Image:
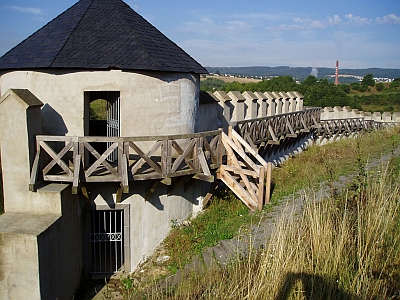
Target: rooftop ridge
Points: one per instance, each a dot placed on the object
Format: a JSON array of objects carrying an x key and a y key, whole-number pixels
[{"x": 100, "y": 34}]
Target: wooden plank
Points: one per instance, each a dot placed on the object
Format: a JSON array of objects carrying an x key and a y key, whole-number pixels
[
  {"x": 211, "y": 148},
  {"x": 249, "y": 140},
  {"x": 56, "y": 138},
  {"x": 203, "y": 162},
  {"x": 182, "y": 155},
  {"x": 238, "y": 190},
  {"x": 58, "y": 178},
  {"x": 244, "y": 178},
  {"x": 261, "y": 188},
  {"x": 34, "y": 173},
  {"x": 272, "y": 133},
  {"x": 164, "y": 157},
  {"x": 240, "y": 170},
  {"x": 77, "y": 170},
  {"x": 124, "y": 174},
  {"x": 145, "y": 158},
  {"x": 306, "y": 129},
  {"x": 101, "y": 160},
  {"x": 203, "y": 177},
  {"x": 249, "y": 148},
  {"x": 57, "y": 158},
  {"x": 230, "y": 145},
  {"x": 166, "y": 181},
  {"x": 268, "y": 183}
]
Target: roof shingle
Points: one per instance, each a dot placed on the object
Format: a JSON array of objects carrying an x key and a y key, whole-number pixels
[{"x": 99, "y": 34}]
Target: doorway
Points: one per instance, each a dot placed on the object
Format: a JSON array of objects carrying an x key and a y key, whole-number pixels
[{"x": 102, "y": 118}]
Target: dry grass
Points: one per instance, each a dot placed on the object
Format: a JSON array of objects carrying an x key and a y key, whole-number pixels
[
  {"x": 340, "y": 248},
  {"x": 345, "y": 247}
]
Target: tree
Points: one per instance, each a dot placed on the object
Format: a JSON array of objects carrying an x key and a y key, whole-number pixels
[
  {"x": 380, "y": 86},
  {"x": 368, "y": 80}
]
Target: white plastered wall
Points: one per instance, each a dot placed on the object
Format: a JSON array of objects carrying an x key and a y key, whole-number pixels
[{"x": 152, "y": 103}]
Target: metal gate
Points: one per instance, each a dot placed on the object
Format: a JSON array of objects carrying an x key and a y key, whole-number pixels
[
  {"x": 113, "y": 120},
  {"x": 107, "y": 241}
]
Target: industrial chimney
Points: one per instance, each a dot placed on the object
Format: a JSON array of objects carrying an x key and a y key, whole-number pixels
[{"x": 337, "y": 73}]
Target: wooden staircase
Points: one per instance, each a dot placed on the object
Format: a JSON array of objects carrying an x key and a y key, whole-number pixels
[{"x": 246, "y": 173}]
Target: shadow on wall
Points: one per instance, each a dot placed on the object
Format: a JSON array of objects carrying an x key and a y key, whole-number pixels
[
  {"x": 311, "y": 286},
  {"x": 52, "y": 122}
]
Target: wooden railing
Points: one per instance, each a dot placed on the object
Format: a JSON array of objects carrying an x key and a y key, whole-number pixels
[
  {"x": 272, "y": 129},
  {"x": 78, "y": 159},
  {"x": 246, "y": 173}
]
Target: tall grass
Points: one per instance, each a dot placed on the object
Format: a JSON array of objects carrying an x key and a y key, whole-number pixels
[{"x": 345, "y": 247}]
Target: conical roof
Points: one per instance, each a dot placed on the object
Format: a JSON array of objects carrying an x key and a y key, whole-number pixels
[{"x": 99, "y": 34}]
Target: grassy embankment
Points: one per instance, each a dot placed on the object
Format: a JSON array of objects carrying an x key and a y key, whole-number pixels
[{"x": 346, "y": 247}]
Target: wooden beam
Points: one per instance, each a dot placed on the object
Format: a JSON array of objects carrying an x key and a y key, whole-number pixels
[
  {"x": 142, "y": 161},
  {"x": 124, "y": 173},
  {"x": 151, "y": 163},
  {"x": 249, "y": 148},
  {"x": 203, "y": 177},
  {"x": 34, "y": 173},
  {"x": 261, "y": 188},
  {"x": 57, "y": 158},
  {"x": 203, "y": 162},
  {"x": 230, "y": 145},
  {"x": 182, "y": 155},
  {"x": 101, "y": 159},
  {"x": 238, "y": 190},
  {"x": 77, "y": 171}
]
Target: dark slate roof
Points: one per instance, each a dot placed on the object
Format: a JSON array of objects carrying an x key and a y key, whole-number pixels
[{"x": 99, "y": 34}]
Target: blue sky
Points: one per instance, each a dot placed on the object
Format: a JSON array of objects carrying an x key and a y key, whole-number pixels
[{"x": 359, "y": 33}]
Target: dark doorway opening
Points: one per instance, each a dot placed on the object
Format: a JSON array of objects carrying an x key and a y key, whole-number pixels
[{"x": 106, "y": 241}]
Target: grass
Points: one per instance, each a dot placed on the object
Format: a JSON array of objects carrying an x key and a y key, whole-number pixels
[
  {"x": 319, "y": 164},
  {"x": 225, "y": 215},
  {"x": 346, "y": 247}
]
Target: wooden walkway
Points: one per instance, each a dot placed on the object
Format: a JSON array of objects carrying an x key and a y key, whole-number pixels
[{"x": 232, "y": 157}]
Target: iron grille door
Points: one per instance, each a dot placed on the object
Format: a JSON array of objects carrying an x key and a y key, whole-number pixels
[
  {"x": 113, "y": 120},
  {"x": 107, "y": 241}
]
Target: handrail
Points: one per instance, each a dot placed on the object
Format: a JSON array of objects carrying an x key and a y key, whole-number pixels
[{"x": 170, "y": 156}]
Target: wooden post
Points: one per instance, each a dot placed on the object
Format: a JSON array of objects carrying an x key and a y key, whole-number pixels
[
  {"x": 261, "y": 188},
  {"x": 268, "y": 183}
]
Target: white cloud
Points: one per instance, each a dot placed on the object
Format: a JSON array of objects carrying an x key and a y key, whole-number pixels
[
  {"x": 336, "y": 20},
  {"x": 300, "y": 24},
  {"x": 356, "y": 20},
  {"x": 30, "y": 10},
  {"x": 207, "y": 26},
  {"x": 390, "y": 19}
]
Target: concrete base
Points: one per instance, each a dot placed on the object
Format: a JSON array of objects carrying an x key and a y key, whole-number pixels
[
  {"x": 19, "y": 263},
  {"x": 36, "y": 257}
]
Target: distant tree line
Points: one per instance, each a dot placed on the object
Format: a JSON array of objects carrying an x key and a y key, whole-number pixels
[
  {"x": 301, "y": 73},
  {"x": 321, "y": 92}
]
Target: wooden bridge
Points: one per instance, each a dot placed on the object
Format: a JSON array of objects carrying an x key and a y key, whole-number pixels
[{"x": 234, "y": 156}]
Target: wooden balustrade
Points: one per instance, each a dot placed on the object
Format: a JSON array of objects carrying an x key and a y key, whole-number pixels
[
  {"x": 274, "y": 128},
  {"x": 78, "y": 159}
]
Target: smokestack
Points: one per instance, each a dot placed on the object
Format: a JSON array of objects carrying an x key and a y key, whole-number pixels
[{"x": 337, "y": 73}]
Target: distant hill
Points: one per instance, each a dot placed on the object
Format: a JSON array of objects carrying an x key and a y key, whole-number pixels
[{"x": 301, "y": 73}]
